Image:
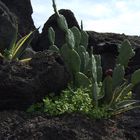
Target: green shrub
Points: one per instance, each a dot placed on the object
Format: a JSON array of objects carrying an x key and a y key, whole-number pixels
[
  {"x": 103, "y": 98},
  {"x": 69, "y": 102},
  {"x": 86, "y": 68}
]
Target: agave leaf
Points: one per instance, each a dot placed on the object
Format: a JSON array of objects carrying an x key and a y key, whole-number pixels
[
  {"x": 124, "y": 91},
  {"x": 13, "y": 49},
  {"x": 135, "y": 79},
  {"x": 125, "y": 105},
  {"x": 1, "y": 55},
  {"x": 120, "y": 92},
  {"x": 21, "y": 45},
  {"x": 116, "y": 112},
  {"x": 25, "y": 60}
]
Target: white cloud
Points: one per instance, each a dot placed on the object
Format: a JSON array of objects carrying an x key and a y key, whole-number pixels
[{"x": 120, "y": 16}]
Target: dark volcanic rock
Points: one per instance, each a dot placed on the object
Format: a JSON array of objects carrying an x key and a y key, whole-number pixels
[
  {"x": 23, "y": 11},
  {"x": 106, "y": 44},
  {"x": 7, "y": 27},
  {"x": 23, "y": 84},
  {"x": 43, "y": 42},
  {"x": 21, "y": 126},
  {"x": 51, "y": 74}
]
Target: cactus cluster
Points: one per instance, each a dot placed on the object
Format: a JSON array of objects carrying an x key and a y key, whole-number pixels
[
  {"x": 86, "y": 68},
  {"x": 73, "y": 51}
]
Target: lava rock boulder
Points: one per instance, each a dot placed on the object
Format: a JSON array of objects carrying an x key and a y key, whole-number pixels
[
  {"x": 22, "y": 84},
  {"x": 43, "y": 41}
]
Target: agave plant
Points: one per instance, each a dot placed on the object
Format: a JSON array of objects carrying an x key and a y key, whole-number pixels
[
  {"x": 10, "y": 48},
  {"x": 86, "y": 68},
  {"x": 17, "y": 49}
]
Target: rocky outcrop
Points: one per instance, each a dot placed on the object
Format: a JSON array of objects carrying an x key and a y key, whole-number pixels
[
  {"x": 106, "y": 44},
  {"x": 7, "y": 27},
  {"x": 23, "y": 11},
  {"x": 20, "y": 126},
  {"x": 43, "y": 41},
  {"x": 22, "y": 84}
]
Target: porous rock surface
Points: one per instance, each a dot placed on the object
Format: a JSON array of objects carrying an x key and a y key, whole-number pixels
[
  {"x": 106, "y": 44},
  {"x": 23, "y": 11},
  {"x": 7, "y": 27},
  {"x": 23, "y": 84},
  {"x": 20, "y": 126}
]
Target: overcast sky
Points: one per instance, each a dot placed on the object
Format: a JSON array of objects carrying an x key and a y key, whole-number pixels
[{"x": 118, "y": 16}]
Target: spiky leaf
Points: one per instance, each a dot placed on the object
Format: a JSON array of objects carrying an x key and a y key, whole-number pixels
[
  {"x": 125, "y": 106},
  {"x": 121, "y": 92},
  {"x": 21, "y": 45}
]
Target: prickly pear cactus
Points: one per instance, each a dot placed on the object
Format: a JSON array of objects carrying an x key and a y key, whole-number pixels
[
  {"x": 77, "y": 36},
  {"x": 118, "y": 76},
  {"x": 71, "y": 59},
  {"x": 51, "y": 36},
  {"x": 81, "y": 80},
  {"x": 135, "y": 79},
  {"x": 125, "y": 53}
]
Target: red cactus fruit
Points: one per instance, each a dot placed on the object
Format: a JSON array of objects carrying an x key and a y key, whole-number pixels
[{"x": 108, "y": 72}]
